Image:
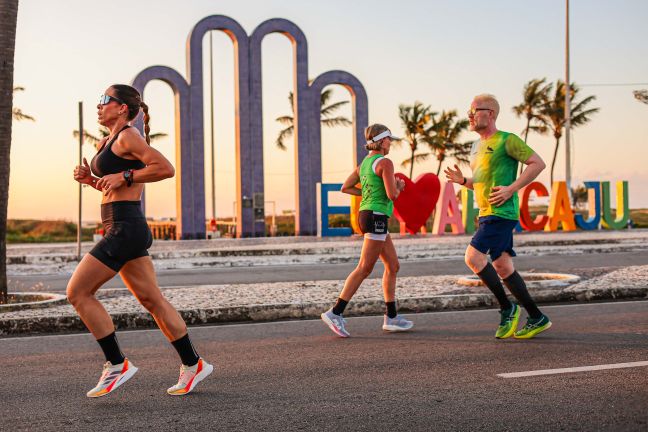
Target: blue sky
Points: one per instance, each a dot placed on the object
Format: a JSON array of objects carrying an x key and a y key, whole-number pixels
[{"x": 439, "y": 52}]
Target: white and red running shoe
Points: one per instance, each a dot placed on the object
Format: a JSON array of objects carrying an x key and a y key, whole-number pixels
[
  {"x": 112, "y": 377},
  {"x": 336, "y": 323},
  {"x": 190, "y": 376}
]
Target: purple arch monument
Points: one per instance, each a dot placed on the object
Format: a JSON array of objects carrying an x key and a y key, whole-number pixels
[{"x": 188, "y": 96}]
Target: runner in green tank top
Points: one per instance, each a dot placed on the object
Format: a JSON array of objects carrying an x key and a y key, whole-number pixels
[
  {"x": 494, "y": 162},
  {"x": 378, "y": 188}
]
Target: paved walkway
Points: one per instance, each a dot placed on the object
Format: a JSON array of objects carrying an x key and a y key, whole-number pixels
[{"x": 307, "y": 299}]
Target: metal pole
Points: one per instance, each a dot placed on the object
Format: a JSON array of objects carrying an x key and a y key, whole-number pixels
[
  {"x": 80, "y": 163},
  {"x": 211, "y": 119},
  {"x": 567, "y": 104}
]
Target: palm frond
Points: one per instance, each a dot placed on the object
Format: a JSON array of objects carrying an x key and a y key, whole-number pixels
[
  {"x": 157, "y": 136},
  {"x": 641, "y": 95},
  {"x": 325, "y": 96},
  {"x": 283, "y": 135},
  {"x": 87, "y": 136},
  {"x": 327, "y": 110},
  {"x": 285, "y": 120},
  {"x": 18, "y": 115},
  {"x": 336, "y": 121}
]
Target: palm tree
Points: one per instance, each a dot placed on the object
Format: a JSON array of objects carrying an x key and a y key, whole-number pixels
[
  {"x": 441, "y": 135},
  {"x": 534, "y": 97},
  {"x": 8, "y": 18},
  {"x": 641, "y": 95},
  {"x": 326, "y": 113},
  {"x": 17, "y": 113},
  {"x": 104, "y": 132},
  {"x": 554, "y": 110},
  {"x": 444, "y": 142},
  {"x": 579, "y": 195},
  {"x": 416, "y": 123}
]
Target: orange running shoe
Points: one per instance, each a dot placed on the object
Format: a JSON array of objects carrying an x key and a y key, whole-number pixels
[
  {"x": 112, "y": 377},
  {"x": 190, "y": 376}
]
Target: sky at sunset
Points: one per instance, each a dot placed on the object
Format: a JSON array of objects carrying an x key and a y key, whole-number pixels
[{"x": 441, "y": 53}]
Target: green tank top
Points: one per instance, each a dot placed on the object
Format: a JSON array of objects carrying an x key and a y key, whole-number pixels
[{"x": 374, "y": 196}]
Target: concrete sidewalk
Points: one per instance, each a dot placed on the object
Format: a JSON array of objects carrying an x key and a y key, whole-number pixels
[
  {"x": 304, "y": 300},
  {"x": 28, "y": 259}
]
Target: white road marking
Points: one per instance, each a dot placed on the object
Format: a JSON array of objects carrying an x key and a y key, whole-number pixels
[{"x": 572, "y": 369}]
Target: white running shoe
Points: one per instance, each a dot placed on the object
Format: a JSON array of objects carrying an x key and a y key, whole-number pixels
[
  {"x": 112, "y": 377},
  {"x": 190, "y": 376},
  {"x": 335, "y": 323},
  {"x": 397, "y": 324}
]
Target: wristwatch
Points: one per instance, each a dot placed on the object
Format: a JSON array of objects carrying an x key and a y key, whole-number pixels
[{"x": 128, "y": 176}]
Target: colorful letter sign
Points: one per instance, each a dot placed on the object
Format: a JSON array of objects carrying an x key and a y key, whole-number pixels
[
  {"x": 415, "y": 204},
  {"x": 526, "y": 221},
  {"x": 622, "y": 206},
  {"x": 447, "y": 212},
  {"x": 560, "y": 211},
  {"x": 594, "y": 207},
  {"x": 325, "y": 210}
]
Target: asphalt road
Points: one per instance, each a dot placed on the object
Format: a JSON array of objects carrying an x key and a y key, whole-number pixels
[
  {"x": 296, "y": 375},
  {"x": 551, "y": 263}
]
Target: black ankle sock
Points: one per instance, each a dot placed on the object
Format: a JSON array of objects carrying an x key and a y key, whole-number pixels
[
  {"x": 186, "y": 350},
  {"x": 391, "y": 309},
  {"x": 490, "y": 278},
  {"x": 338, "y": 309},
  {"x": 111, "y": 349},
  {"x": 518, "y": 288}
]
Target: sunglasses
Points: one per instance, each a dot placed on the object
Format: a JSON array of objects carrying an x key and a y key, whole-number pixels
[
  {"x": 105, "y": 100},
  {"x": 473, "y": 111}
]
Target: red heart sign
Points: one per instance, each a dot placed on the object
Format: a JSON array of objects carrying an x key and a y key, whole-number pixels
[{"x": 417, "y": 201}]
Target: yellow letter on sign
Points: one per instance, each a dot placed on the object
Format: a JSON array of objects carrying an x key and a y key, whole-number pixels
[
  {"x": 355, "y": 209},
  {"x": 560, "y": 210}
]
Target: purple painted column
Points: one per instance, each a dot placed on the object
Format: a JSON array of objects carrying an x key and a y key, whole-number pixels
[
  {"x": 195, "y": 72},
  {"x": 305, "y": 200},
  {"x": 360, "y": 109},
  {"x": 186, "y": 219}
]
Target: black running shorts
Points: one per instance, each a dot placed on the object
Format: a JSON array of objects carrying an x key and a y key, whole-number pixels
[
  {"x": 126, "y": 234},
  {"x": 372, "y": 223}
]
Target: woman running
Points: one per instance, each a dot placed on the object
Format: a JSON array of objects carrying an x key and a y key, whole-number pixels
[
  {"x": 379, "y": 188},
  {"x": 124, "y": 162}
]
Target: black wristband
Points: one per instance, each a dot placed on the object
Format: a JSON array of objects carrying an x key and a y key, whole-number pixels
[
  {"x": 464, "y": 181},
  {"x": 128, "y": 176}
]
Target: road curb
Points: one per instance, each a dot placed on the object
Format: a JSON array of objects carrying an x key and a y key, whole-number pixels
[{"x": 275, "y": 312}]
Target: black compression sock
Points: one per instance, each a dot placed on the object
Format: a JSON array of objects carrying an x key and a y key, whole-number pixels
[
  {"x": 391, "y": 309},
  {"x": 490, "y": 278},
  {"x": 111, "y": 349},
  {"x": 339, "y": 307},
  {"x": 186, "y": 350},
  {"x": 518, "y": 288}
]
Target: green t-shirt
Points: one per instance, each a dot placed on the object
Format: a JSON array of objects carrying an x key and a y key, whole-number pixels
[
  {"x": 494, "y": 162},
  {"x": 374, "y": 195}
]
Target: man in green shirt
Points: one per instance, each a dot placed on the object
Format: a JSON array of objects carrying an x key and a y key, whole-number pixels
[{"x": 494, "y": 163}]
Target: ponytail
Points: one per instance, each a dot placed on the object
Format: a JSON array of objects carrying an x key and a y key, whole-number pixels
[{"x": 147, "y": 117}]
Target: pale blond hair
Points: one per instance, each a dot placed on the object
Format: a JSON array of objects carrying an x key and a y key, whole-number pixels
[
  {"x": 372, "y": 131},
  {"x": 490, "y": 101}
]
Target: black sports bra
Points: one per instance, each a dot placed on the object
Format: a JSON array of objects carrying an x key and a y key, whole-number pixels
[{"x": 106, "y": 162}]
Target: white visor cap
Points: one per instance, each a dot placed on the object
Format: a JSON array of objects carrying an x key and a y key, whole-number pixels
[{"x": 382, "y": 135}]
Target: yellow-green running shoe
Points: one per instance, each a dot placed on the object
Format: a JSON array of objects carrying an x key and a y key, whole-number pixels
[
  {"x": 509, "y": 322},
  {"x": 533, "y": 327}
]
